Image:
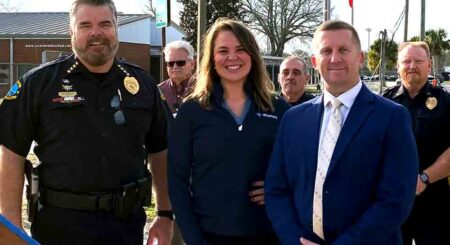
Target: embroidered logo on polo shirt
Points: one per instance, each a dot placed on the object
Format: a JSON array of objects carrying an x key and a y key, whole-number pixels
[{"x": 271, "y": 116}]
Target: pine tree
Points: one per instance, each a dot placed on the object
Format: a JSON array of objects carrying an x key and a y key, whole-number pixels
[{"x": 215, "y": 9}]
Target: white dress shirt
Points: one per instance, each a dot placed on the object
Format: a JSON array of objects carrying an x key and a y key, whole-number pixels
[{"x": 346, "y": 99}]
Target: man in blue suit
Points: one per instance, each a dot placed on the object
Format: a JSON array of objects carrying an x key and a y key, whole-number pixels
[{"x": 344, "y": 166}]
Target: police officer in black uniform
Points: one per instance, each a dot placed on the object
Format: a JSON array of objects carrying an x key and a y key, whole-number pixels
[
  {"x": 96, "y": 120},
  {"x": 429, "y": 107},
  {"x": 293, "y": 78}
]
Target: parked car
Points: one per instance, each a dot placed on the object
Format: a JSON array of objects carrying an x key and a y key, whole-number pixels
[{"x": 440, "y": 78}]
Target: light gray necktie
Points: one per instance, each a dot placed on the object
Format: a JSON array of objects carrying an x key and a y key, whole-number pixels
[{"x": 325, "y": 153}]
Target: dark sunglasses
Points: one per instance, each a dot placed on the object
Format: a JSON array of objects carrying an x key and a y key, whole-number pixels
[
  {"x": 178, "y": 62},
  {"x": 119, "y": 117}
]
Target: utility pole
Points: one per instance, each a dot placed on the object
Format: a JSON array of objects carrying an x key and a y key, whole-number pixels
[
  {"x": 422, "y": 22},
  {"x": 201, "y": 28},
  {"x": 162, "y": 17},
  {"x": 326, "y": 10},
  {"x": 383, "y": 59},
  {"x": 405, "y": 34},
  {"x": 164, "y": 74},
  {"x": 368, "y": 29}
]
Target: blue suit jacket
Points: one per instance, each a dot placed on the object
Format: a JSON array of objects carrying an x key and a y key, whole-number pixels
[{"x": 370, "y": 184}]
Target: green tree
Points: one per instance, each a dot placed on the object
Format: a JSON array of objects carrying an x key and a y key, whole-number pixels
[
  {"x": 374, "y": 55},
  {"x": 446, "y": 56},
  {"x": 436, "y": 39},
  {"x": 215, "y": 9}
]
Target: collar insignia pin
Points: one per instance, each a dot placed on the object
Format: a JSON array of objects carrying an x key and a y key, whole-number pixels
[{"x": 67, "y": 87}]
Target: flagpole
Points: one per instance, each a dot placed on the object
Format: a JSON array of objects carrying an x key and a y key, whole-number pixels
[
  {"x": 326, "y": 10},
  {"x": 352, "y": 6}
]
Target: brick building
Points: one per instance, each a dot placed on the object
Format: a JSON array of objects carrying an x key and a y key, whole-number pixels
[{"x": 29, "y": 39}]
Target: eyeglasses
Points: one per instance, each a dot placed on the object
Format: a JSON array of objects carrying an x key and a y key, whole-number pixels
[
  {"x": 178, "y": 62},
  {"x": 119, "y": 117}
]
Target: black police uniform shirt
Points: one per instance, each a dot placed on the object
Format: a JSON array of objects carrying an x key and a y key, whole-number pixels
[
  {"x": 212, "y": 165},
  {"x": 430, "y": 113},
  {"x": 71, "y": 115},
  {"x": 305, "y": 97}
]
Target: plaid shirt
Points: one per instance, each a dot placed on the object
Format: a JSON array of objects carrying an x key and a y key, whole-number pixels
[{"x": 174, "y": 94}]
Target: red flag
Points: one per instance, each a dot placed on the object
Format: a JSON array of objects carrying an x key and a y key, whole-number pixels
[{"x": 350, "y": 2}]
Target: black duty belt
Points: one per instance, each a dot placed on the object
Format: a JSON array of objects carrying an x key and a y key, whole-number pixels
[
  {"x": 127, "y": 200},
  {"x": 85, "y": 202}
]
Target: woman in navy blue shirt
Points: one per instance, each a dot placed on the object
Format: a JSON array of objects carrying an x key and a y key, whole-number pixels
[{"x": 221, "y": 142}]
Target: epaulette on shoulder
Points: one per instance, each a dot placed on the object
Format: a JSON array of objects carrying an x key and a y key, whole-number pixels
[
  {"x": 59, "y": 60},
  {"x": 124, "y": 62},
  {"x": 47, "y": 64},
  {"x": 437, "y": 87},
  {"x": 390, "y": 90}
]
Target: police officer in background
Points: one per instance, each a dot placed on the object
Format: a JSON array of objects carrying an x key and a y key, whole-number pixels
[
  {"x": 97, "y": 120},
  {"x": 293, "y": 78},
  {"x": 429, "y": 107}
]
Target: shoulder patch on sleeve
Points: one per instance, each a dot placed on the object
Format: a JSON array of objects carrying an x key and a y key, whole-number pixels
[{"x": 14, "y": 91}]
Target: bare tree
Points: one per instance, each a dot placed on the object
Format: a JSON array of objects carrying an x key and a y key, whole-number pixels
[
  {"x": 6, "y": 7},
  {"x": 150, "y": 8},
  {"x": 283, "y": 20}
]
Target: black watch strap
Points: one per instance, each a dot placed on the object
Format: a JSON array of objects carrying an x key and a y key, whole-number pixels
[
  {"x": 165, "y": 213},
  {"x": 424, "y": 178}
]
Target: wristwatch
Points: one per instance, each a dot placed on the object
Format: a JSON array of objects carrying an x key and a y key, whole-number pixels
[
  {"x": 165, "y": 213},
  {"x": 424, "y": 178}
]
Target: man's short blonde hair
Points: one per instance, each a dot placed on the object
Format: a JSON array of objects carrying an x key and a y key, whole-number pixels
[{"x": 419, "y": 44}]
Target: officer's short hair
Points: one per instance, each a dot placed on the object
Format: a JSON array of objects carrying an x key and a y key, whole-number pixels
[
  {"x": 180, "y": 45},
  {"x": 334, "y": 25},
  {"x": 77, "y": 3},
  {"x": 419, "y": 44},
  {"x": 294, "y": 57}
]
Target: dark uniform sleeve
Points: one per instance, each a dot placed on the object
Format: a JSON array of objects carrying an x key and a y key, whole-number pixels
[
  {"x": 447, "y": 111},
  {"x": 281, "y": 106},
  {"x": 156, "y": 140},
  {"x": 16, "y": 118}
]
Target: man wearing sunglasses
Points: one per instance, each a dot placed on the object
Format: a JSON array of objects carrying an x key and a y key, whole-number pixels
[
  {"x": 98, "y": 121},
  {"x": 179, "y": 57}
]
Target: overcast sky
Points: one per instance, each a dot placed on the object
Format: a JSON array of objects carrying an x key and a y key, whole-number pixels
[{"x": 374, "y": 14}]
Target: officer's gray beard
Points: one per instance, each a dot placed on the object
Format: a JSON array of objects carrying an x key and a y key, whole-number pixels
[{"x": 96, "y": 58}]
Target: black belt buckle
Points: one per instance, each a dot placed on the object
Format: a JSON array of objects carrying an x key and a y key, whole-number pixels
[{"x": 105, "y": 202}]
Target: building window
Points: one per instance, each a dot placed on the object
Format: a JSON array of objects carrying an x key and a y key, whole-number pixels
[
  {"x": 24, "y": 68},
  {"x": 4, "y": 73}
]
